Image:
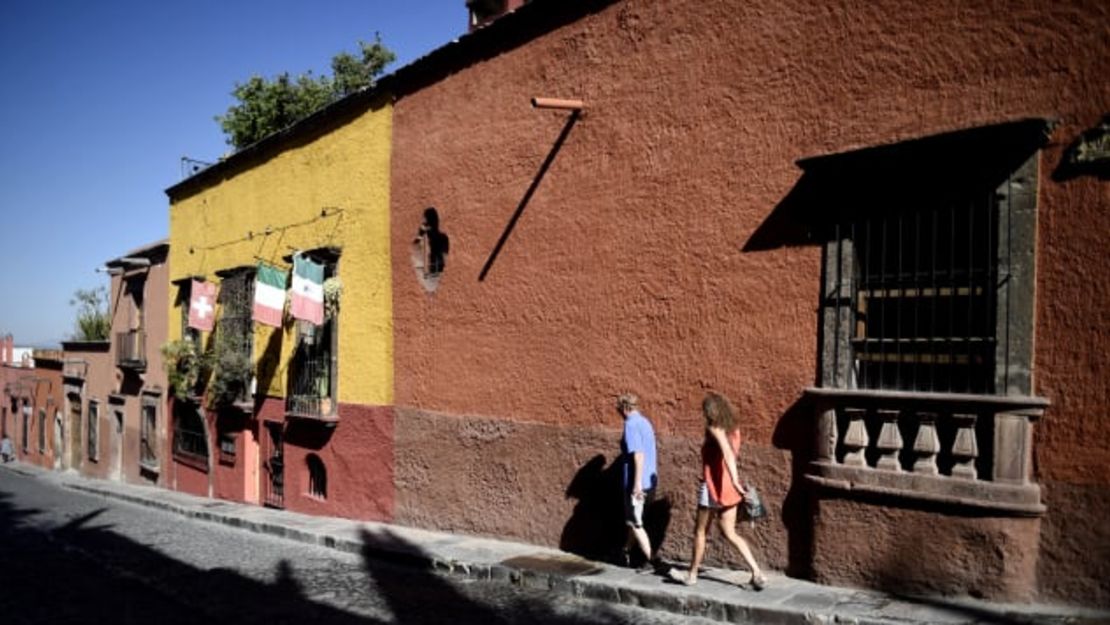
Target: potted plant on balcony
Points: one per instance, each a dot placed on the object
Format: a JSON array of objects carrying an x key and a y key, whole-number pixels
[
  {"x": 333, "y": 289},
  {"x": 231, "y": 379},
  {"x": 183, "y": 364}
]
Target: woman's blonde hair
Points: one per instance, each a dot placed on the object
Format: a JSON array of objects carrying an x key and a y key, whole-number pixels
[{"x": 719, "y": 412}]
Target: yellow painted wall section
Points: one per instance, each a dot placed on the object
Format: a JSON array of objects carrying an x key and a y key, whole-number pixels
[{"x": 224, "y": 225}]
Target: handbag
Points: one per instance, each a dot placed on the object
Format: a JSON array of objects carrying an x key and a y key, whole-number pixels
[{"x": 753, "y": 505}]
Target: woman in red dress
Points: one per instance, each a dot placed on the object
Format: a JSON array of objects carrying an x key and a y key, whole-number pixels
[{"x": 720, "y": 491}]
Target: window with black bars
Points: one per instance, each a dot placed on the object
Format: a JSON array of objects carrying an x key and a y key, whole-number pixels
[
  {"x": 189, "y": 440},
  {"x": 235, "y": 330},
  {"x": 235, "y": 333},
  {"x": 923, "y": 297},
  {"x": 928, "y": 261},
  {"x": 312, "y": 371},
  {"x": 94, "y": 431},
  {"x": 148, "y": 451},
  {"x": 42, "y": 430}
]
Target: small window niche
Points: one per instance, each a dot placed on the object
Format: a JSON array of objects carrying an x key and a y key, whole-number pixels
[
  {"x": 317, "y": 477},
  {"x": 430, "y": 247}
]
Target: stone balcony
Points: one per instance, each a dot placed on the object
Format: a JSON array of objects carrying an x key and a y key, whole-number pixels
[{"x": 966, "y": 450}]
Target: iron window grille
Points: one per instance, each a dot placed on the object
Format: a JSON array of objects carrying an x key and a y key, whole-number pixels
[
  {"x": 235, "y": 332},
  {"x": 928, "y": 266},
  {"x": 94, "y": 431},
  {"x": 148, "y": 428},
  {"x": 26, "y": 426},
  {"x": 189, "y": 440},
  {"x": 313, "y": 367},
  {"x": 42, "y": 430},
  {"x": 926, "y": 318}
]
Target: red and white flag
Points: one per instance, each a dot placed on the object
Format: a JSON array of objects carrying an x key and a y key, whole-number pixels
[{"x": 202, "y": 306}]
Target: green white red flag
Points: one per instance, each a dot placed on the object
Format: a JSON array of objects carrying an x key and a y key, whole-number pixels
[
  {"x": 308, "y": 290},
  {"x": 269, "y": 295}
]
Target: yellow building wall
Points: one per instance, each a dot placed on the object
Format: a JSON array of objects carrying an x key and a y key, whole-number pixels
[{"x": 268, "y": 209}]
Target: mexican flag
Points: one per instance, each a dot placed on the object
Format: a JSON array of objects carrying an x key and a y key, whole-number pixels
[
  {"x": 308, "y": 290},
  {"x": 269, "y": 295}
]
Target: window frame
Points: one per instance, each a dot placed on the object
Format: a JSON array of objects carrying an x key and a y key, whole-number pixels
[
  {"x": 42, "y": 430},
  {"x": 310, "y": 405},
  {"x": 1014, "y": 233},
  {"x": 92, "y": 431},
  {"x": 182, "y": 452},
  {"x": 148, "y": 432}
]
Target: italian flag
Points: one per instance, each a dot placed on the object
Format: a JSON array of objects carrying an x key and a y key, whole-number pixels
[
  {"x": 269, "y": 295},
  {"x": 308, "y": 290}
]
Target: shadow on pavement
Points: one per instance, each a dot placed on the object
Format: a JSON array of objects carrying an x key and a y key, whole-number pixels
[{"x": 85, "y": 572}]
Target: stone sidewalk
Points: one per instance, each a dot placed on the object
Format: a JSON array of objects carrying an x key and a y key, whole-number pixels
[{"x": 718, "y": 595}]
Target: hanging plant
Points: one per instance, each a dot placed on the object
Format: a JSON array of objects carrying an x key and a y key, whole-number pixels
[
  {"x": 333, "y": 289},
  {"x": 231, "y": 378},
  {"x": 183, "y": 365}
]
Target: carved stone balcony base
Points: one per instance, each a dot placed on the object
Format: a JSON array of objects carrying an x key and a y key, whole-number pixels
[{"x": 1005, "y": 499}]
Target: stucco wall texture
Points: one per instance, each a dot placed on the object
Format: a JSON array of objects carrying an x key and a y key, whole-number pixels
[
  {"x": 627, "y": 268},
  {"x": 224, "y": 225},
  {"x": 327, "y": 188},
  {"x": 151, "y": 380}
]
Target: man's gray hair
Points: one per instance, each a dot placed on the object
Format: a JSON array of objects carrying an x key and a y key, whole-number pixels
[{"x": 627, "y": 401}]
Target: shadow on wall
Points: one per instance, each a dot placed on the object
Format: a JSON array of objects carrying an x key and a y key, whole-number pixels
[
  {"x": 267, "y": 371},
  {"x": 596, "y": 528},
  {"x": 794, "y": 433},
  {"x": 147, "y": 586}
]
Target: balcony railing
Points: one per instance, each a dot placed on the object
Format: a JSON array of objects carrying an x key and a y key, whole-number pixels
[
  {"x": 310, "y": 384},
  {"x": 960, "y": 449},
  {"x": 131, "y": 349}
]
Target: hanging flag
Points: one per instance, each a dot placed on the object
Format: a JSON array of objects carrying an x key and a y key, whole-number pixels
[
  {"x": 308, "y": 290},
  {"x": 202, "y": 306},
  {"x": 269, "y": 295}
]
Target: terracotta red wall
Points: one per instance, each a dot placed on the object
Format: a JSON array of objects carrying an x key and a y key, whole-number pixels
[
  {"x": 358, "y": 457},
  {"x": 626, "y": 269}
]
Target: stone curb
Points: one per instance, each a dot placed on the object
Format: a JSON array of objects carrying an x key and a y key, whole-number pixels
[
  {"x": 693, "y": 605},
  {"x": 605, "y": 586}
]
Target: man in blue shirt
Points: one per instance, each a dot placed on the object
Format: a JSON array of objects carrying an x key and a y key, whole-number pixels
[{"x": 640, "y": 473}]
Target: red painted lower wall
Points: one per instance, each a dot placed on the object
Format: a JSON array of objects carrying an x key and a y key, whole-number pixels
[{"x": 357, "y": 454}]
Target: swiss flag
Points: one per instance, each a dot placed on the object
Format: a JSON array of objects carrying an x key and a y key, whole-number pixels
[{"x": 202, "y": 306}]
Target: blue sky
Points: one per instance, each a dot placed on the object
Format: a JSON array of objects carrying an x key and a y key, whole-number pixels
[{"x": 100, "y": 100}]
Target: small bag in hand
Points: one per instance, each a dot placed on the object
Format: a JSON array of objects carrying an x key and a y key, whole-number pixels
[{"x": 753, "y": 505}]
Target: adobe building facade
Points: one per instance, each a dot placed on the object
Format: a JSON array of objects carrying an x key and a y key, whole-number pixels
[
  {"x": 871, "y": 228},
  {"x": 312, "y": 431},
  {"x": 136, "y": 444},
  {"x": 682, "y": 233}
]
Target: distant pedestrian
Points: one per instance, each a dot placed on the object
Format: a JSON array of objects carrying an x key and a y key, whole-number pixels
[
  {"x": 720, "y": 491},
  {"x": 640, "y": 475},
  {"x": 7, "y": 454}
]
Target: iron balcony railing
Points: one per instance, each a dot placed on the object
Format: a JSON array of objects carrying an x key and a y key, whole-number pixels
[
  {"x": 131, "y": 349},
  {"x": 310, "y": 392}
]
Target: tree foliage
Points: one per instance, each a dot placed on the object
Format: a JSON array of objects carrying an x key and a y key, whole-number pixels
[
  {"x": 267, "y": 105},
  {"x": 93, "y": 322}
]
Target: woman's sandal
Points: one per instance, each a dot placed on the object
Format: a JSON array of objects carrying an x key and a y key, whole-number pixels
[
  {"x": 680, "y": 578},
  {"x": 759, "y": 582}
]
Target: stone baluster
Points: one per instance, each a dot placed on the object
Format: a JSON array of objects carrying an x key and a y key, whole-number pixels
[
  {"x": 965, "y": 448},
  {"x": 855, "y": 437},
  {"x": 890, "y": 441},
  {"x": 926, "y": 444},
  {"x": 826, "y": 432}
]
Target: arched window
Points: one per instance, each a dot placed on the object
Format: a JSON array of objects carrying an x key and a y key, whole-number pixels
[{"x": 317, "y": 477}]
